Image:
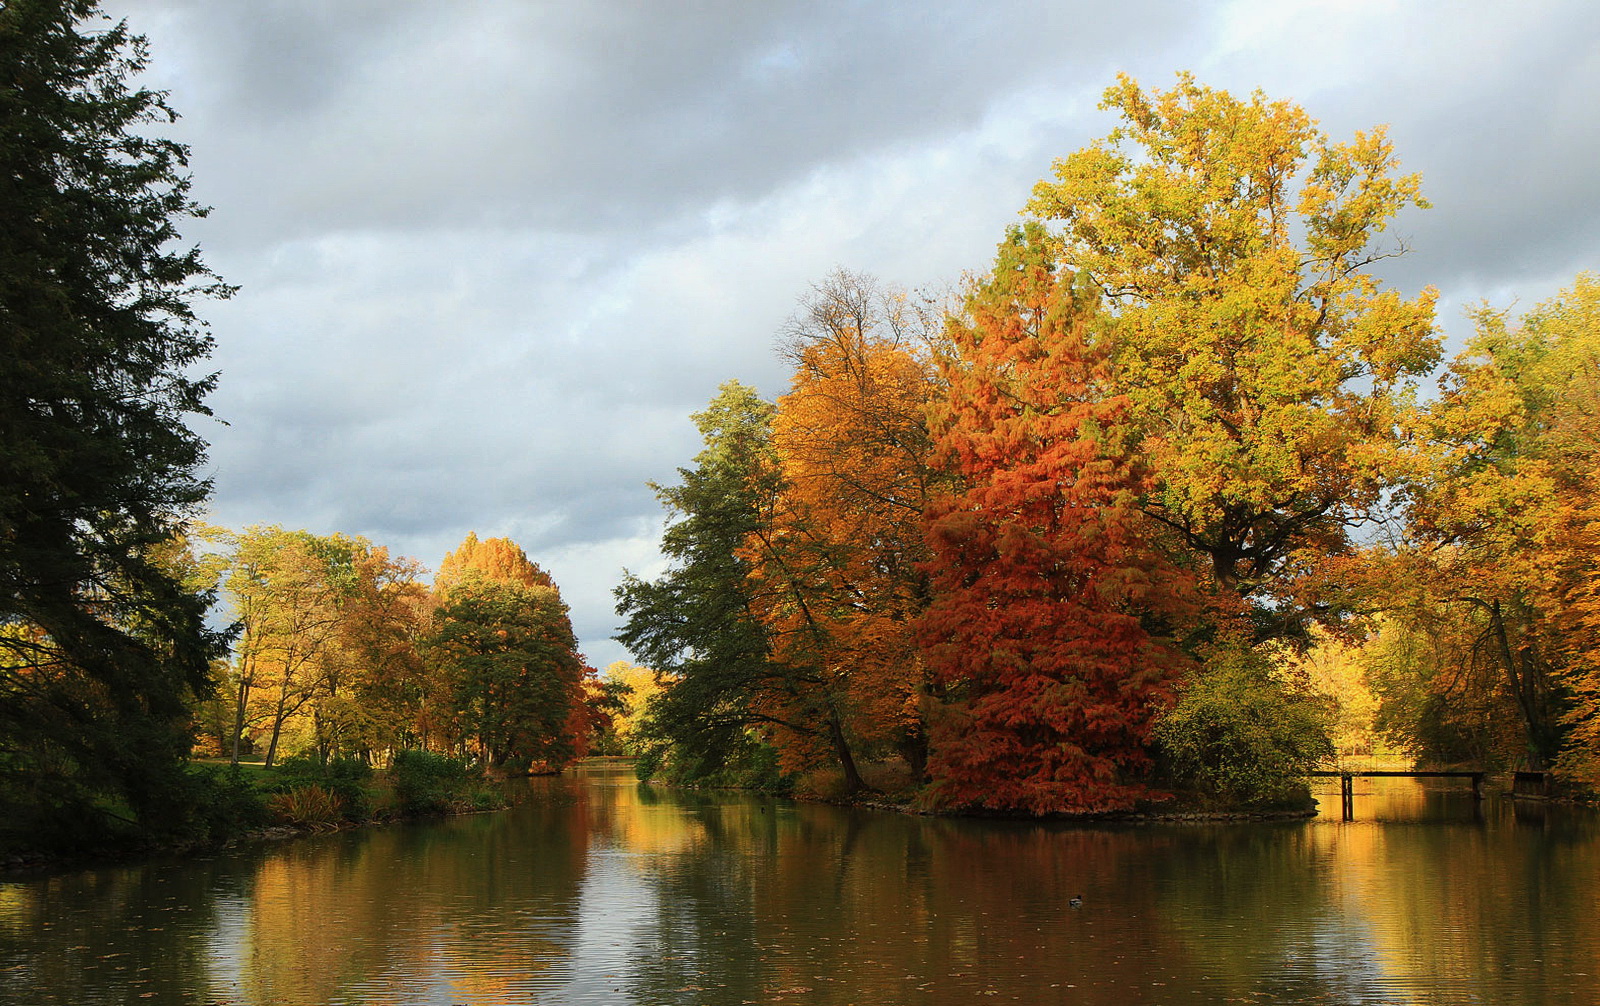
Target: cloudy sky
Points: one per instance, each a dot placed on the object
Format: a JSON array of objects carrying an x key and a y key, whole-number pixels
[{"x": 493, "y": 253}]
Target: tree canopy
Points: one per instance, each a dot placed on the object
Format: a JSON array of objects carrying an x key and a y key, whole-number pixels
[
  {"x": 1133, "y": 460},
  {"x": 1266, "y": 369},
  {"x": 696, "y": 625},
  {"x": 1049, "y": 603}
]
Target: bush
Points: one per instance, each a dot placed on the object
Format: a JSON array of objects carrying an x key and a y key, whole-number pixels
[
  {"x": 1240, "y": 736},
  {"x": 344, "y": 778},
  {"x": 50, "y": 818},
  {"x": 429, "y": 783},
  {"x": 226, "y": 802},
  {"x": 307, "y": 806},
  {"x": 204, "y": 805}
]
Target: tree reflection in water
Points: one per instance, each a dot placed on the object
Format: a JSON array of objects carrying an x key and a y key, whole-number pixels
[{"x": 596, "y": 890}]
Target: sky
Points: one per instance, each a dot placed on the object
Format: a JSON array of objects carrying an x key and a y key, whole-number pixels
[{"x": 491, "y": 255}]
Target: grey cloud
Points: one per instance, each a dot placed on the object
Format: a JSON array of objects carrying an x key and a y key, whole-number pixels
[
  {"x": 1506, "y": 139},
  {"x": 493, "y": 254},
  {"x": 595, "y": 116}
]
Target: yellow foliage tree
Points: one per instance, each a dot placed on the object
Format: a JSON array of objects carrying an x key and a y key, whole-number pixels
[
  {"x": 1505, "y": 513},
  {"x": 1335, "y": 669},
  {"x": 641, "y": 683},
  {"x": 1266, "y": 368}
]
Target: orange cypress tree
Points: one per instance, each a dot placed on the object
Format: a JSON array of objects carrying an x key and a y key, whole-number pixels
[{"x": 1045, "y": 627}]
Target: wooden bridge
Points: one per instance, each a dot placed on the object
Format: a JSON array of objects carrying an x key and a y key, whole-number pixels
[{"x": 1525, "y": 784}]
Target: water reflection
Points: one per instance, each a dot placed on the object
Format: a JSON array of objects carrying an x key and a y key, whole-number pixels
[{"x": 595, "y": 890}]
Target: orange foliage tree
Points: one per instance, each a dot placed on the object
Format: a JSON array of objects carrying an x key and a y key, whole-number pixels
[
  {"x": 496, "y": 558},
  {"x": 1046, "y": 631},
  {"x": 837, "y": 558}
]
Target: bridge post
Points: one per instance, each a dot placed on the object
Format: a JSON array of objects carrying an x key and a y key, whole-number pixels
[{"x": 1347, "y": 796}]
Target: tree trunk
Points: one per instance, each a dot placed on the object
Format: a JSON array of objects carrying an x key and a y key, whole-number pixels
[
  {"x": 246, "y": 674},
  {"x": 1529, "y": 688},
  {"x": 914, "y": 749},
  {"x": 279, "y": 714},
  {"x": 847, "y": 762}
]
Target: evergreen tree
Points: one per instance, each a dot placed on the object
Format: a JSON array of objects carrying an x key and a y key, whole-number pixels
[
  {"x": 696, "y": 624},
  {"x": 101, "y": 648}
]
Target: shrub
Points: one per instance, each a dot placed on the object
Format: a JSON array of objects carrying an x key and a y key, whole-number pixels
[
  {"x": 1241, "y": 736},
  {"x": 426, "y": 782},
  {"x": 345, "y": 778},
  {"x": 227, "y": 803},
  {"x": 306, "y": 806}
]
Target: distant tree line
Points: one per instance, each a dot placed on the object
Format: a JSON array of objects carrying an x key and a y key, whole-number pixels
[{"x": 344, "y": 652}]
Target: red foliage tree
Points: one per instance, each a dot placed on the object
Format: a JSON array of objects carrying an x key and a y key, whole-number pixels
[{"x": 1046, "y": 631}]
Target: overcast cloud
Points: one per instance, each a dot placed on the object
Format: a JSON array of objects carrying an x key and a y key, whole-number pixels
[{"x": 492, "y": 254}]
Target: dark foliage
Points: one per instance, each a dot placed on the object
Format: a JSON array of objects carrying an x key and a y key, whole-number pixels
[
  {"x": 344, "y": 778},
  {"x": 101, "y": 647},
  {"x": 426, "y": 783},
  {"x": 695, "y": 625}
]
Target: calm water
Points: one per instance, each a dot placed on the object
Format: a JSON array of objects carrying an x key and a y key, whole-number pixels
[{"x": 598, "y": 891}]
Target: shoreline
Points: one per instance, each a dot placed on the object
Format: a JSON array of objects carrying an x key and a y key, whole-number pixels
[
  {"x": 23, "y": 865},
  {"x": 1087, "y": 817}
]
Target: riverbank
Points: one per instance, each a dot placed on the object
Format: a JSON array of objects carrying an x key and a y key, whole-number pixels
[
  {"x": 21, "y": 865},
  {"x": 892, "y": 790},
  {"x": 229, "y": 805}
]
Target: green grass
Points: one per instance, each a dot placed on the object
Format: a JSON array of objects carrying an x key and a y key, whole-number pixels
[{"x": 255, "y": 771}]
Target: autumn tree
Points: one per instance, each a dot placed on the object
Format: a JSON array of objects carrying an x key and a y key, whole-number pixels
[
  {"x": 1438, "y": 699},
  {"x": 1571, "y": 325},
  {"x": 101, "y": 649},
  {"x": 1265, "y": 370},
  {"x": 1049, "y": 630},
  {"x": 838, "y": 555},
  {"x": 634, "y": 686},
  {"x": 1502, "y": 515},
  {"x": 513, "y": 683},
  {"x": 510, "y": 659},
  {"x": 1336, "y": 669},
  {"x": 496, "y": 558},
  {"x": 373, "y": 689},
  {"x": 600, "y": 704},
  {"x": 289, "y": 590}
]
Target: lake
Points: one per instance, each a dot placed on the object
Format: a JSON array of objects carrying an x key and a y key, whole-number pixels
[{"x": 597, "y": 890}]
